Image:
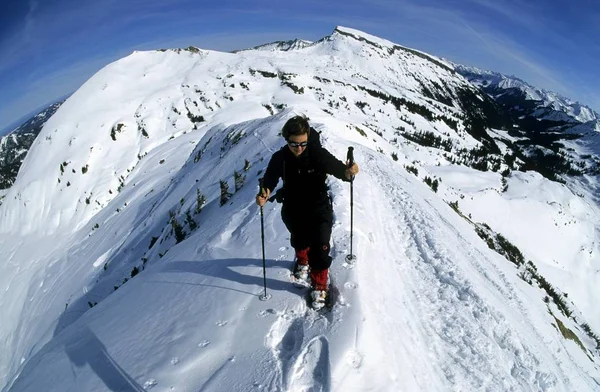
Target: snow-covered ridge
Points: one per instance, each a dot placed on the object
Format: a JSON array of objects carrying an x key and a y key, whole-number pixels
[
  {"x": 383, "y": 43},
  {"x": 148, "y": 121},
  {"x": 141, "y": 277}
]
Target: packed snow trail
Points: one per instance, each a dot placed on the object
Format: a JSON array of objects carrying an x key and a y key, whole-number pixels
[{"x": 444, "y": 331}]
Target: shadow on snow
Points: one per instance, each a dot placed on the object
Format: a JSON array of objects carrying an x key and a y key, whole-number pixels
[{"x": 83, "y": 347}]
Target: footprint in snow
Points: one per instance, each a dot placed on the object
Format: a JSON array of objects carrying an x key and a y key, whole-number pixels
[
  {"x": 350, "y": 285},
  {"x": 285, "y": 341},
  {"x": 150, "y": 383},
  {"x": 203, "y": 344},
  {"x": 348, "y": 265},
  {"x": 311, "y": 370},
  {"x": 266, "y": 312},
  {"x": 354, "y": 359},
  {"x": 174, "y": 361},
  {"x": 222, "y": 323},
  {"x": 291, "y": 340}
]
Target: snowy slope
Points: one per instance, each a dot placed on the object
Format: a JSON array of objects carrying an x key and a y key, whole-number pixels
[{"x": 110, "y": 297}]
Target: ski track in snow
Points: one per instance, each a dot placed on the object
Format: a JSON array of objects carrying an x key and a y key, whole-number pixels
[
  {"x": 299, "y": 343},
  {"x": 299, "y": 338}
]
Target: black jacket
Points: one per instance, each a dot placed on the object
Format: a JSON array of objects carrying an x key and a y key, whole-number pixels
[{"x": 304, "y": 176}]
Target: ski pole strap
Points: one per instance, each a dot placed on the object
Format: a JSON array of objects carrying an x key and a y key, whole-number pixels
[
  {"x": 261, "y": 188},
  {"x": 260, "y": 185},
  {"x": 350, "y": 159},
  {"x": 350, "y": 156}
]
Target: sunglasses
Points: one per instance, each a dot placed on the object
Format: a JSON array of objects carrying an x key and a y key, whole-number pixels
[{"x": 296, "y": 144}]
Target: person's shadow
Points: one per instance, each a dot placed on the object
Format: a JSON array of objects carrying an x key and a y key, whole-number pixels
[
  {"x": 83, "y": 347},
  {"x": 89, "y": 350}
]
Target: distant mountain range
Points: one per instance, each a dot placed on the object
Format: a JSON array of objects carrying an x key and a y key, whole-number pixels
[{"x": 524, "y": 99}]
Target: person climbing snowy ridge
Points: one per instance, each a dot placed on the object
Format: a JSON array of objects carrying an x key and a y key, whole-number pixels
[{"x": 303, "y": 165}]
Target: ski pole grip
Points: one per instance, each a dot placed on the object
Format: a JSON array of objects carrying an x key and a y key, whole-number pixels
[{"x": 350, "y": 156}]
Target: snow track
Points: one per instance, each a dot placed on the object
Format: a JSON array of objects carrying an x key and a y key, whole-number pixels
[
  {"x": 299, "y": 341},
  {"x": 311, "y": 370},
  {"x": 446, "y": 323}
]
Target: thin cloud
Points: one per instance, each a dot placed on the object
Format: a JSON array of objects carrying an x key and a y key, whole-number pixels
[
  {"x": 523, "y": 13},
  {"x": 33, "y": 6},
  {"x": 503, "y": 47}
]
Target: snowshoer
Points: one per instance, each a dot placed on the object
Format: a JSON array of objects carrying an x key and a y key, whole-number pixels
[{"x": 307, "y": 212}]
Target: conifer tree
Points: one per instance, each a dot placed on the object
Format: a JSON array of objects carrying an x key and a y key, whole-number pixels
[
  {"x": 239, "y": 180},
  {"x": 200, "y": 201},
  {"x": 225, "y": 195}
]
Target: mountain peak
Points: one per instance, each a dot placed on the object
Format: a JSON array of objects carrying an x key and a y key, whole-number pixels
[
  {"x": 362, "y": 36},
  {"x": 389, "y": 46}
]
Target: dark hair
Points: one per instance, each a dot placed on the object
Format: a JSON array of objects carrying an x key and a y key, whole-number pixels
[{"x": 297, "y": 125}]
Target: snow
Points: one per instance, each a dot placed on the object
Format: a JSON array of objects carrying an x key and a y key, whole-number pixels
[
  {"x": 428, "y": 306},
  {"x": 557, "y": 227},
  {"x": 572, "y": 110}
]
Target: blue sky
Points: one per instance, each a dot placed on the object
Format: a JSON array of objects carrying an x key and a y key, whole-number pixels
[{"x": 50, "y": 47}]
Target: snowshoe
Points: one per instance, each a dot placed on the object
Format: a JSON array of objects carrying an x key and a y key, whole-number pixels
[
  {"x": 319, "y": 298},
  {"x": 300, "y": 275},
  {"x": 322, "y": 300}
]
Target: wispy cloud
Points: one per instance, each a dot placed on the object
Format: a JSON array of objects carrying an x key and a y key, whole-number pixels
[
  {"x": 523, "y": 13},
  {"x": 502, "y": 48},
  {"x": 29, "y": 18}
]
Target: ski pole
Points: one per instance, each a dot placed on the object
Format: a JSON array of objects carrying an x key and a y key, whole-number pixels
[
  {"x": 264, "y": 296},
  {"x": 351, "y": 258}
]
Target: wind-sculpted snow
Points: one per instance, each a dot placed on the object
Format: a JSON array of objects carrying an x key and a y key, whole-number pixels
[{"x": 131, "y": 246}]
